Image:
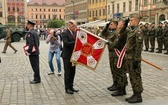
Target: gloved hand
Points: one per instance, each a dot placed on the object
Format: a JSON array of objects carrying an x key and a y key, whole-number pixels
[
  {"x": 126, "y": 22},
  {"x": 135, "y": 65},
  {"x": 107, "y": 25}
]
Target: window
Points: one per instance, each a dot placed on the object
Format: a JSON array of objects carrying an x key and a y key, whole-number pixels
[
  {"x": 113, "y": 9},
  {"x": 36, "y": 9},
  {"x": 136, "y": 5},
  {"x": 104, "y": 12},
  {"x": 0, "y": 14},
  {"x": 44, "y": 9},
  {"x": 32, "y": 9},
  {"x": 145, "y": 2},
  {"x": 49, "y": 10},
  {"x": 96, "y": 13},
  {"x": 60, "y": 10},
  {"x": 31, "y": 16},
  {"x": 13, "y": 9},
  {"x": 17, "y": 9},
  {"x": 118, "y": 7},
  {"x": 130, "y": 6},
  {"x": 154, "y": 1},
  {"x": 100, "y": 12},
  {"x": 124, "y": 6},
  {"x": 59, "y": 16},
  {"x": 92, "y": 13},
  {"x": 8, "y": 8},
  {"x": 36, "y": 16},
  {"x": 44, "y": 16},
  {"x": 54, "y": 16},
  {"x": 40, "y": 9},
  {"x": 49, "y": 17},
  {"x": 40, "y": 17},
  {"x": 108, "y": 9}
]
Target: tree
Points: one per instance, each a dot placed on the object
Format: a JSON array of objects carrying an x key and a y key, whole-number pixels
[{"x": 56, "y": 23}]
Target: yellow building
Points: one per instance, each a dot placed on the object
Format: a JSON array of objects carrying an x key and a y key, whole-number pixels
[
  {"x": 42, "y": 12},
  {"x": 97, "y": 10}
]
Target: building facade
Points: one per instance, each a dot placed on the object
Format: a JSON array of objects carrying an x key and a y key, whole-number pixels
[
  {"x": 76, "y": 9},
  {"x": 42, "y": 11},
  {"x": 13, "y": 12},
  {"x": 97, "y": 10},
  {"x": 122, "y": 8},
  {"x": 154, "y": 10}
]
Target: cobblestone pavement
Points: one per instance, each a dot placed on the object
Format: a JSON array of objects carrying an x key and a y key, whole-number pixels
[{"x": 16, "y": 72}]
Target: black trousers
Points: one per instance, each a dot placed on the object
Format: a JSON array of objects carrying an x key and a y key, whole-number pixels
[
  {"x": 34, "y": 61},
  {"x": 69, "y": 73}
]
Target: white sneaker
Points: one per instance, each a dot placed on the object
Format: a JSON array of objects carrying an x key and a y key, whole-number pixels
[{"x": 59, "y": 73}]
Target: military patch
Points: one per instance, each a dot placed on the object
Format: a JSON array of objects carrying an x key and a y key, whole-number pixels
[{"x": 28, "y": 35}]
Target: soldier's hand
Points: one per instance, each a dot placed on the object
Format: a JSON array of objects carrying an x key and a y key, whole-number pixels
[
  {"x": 135, "y": 65},
  {"x": 126, "y": 22}
]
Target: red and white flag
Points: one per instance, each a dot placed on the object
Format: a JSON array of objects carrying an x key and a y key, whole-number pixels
[{"x": 88, "y": 49}]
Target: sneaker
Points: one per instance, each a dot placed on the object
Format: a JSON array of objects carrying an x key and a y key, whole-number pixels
[
  {"x": 59, "y": 73},
  {"x": 50, "y": 73}
]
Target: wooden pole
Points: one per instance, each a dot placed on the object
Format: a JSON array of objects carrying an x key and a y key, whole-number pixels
[{"x": 152, "y": 64}]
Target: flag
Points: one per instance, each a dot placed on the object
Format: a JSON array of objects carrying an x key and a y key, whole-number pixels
[{"x": 88, "y": 49}]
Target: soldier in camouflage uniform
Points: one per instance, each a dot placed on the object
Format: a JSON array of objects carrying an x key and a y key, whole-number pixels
[
  {"x": 133, "y": 58},
  {"x": 109, "y": 33},
  {"x": 145, "y": 31},
  {"x": 159, "y": 35},
  {"x": 152, "y": 32},
  {"x": 166, "y": 37},
  {"x": 119, "y": 44}
]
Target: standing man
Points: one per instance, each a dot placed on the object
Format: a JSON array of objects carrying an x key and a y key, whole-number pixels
[
  {"x": 160, "y": 36},
  {"x": 145, "y": 31},
  {"x": 32, "y": 41},
  {"x": 69, "y": 37},
  {"x": 54, "y": 40},
  {"x": 134, "y": 46},
  {"x": 8, "y": 41},
  {"x": 166, "y": 37},
  {"x": 109, "y": 33},
  {"x": 152, "y": 33}
]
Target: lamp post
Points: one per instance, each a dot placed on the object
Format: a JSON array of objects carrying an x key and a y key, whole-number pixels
[{"x": 73, "y": 15}]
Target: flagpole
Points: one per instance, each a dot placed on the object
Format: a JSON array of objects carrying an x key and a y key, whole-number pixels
[
  {"x": 93, "y": 34},
  {"x": 151, "y": 64}
]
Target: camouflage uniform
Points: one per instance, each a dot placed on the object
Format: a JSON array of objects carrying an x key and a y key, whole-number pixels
[
  {"x": 110, "y": 34},
  {"x": 145, "y": 32},
  {"x": 121, "y": 77},
  {"x": 8, "y": 42},
  {"x": 166, "y": 39},
  {"x": 152, "y": 32},
  {"x": 133, "y": 58},
  {"x": 159, "y": 35}
]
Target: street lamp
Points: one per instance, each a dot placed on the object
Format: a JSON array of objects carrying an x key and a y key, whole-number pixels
[{"x": 73, "y": 15}]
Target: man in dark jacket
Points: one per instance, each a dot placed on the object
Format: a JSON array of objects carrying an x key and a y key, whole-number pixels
[
  {"x": 32, "y": 41},
  {"x": 69, "y": 36}
]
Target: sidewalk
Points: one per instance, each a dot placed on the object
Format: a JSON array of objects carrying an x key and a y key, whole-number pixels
[{"x": 16, "y": 72}]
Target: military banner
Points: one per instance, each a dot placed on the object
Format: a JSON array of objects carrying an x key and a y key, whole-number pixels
[{"x": 88, "y": 49}]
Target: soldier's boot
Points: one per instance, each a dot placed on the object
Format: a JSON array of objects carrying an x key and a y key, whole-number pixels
[
  {"x": 136, "y": 98},
  {"x": 152, "y": 50},
  {"x": 113, "y": 87},
  {"x": 126, "y": 99},
  {"x": 146, "y": 49},
  {"x": 159, "y": 51},
  {"x": 120, "y": 92},
  {"x": 166, "y": 52}
]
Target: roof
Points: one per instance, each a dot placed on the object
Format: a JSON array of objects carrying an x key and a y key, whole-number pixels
[{"x": 47, "y": 2}]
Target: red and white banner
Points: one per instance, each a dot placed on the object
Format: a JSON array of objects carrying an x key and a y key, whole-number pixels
[{"x": 88, "y": 49}]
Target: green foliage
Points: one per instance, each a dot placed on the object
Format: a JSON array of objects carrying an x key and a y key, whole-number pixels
[{"x": 56, "y": 23}]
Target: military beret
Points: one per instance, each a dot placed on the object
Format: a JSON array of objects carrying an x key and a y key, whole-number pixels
[
  {"x": 136, "y": 15},
  {"x": 30, "y": 22},
  {"x": 153, "y": 22},
  {"x": 160, "y": 23}
]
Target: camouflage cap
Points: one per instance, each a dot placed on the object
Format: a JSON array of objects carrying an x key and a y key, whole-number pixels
[{"x": 136, "y": 15}]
